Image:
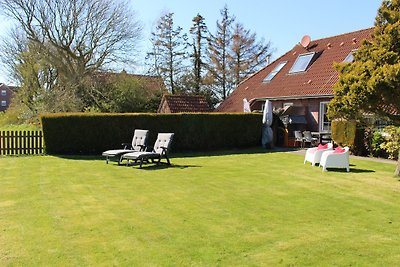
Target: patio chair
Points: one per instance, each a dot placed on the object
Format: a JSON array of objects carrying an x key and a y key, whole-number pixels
[
  {"x": 159, "y": 151},
  {"x": 298, "y": 138},
  {"x": 314, "y": 154},
  {"x": 308, "y": 138},
  {"x": 138, "y": 144},
  {"x": 338, "y": 158}
]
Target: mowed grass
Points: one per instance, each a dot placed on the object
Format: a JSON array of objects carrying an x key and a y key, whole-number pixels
[{"x": 248, "y": 209}]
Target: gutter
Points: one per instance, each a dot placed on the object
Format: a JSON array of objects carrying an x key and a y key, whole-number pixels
[{"x": 291, "y": 97}]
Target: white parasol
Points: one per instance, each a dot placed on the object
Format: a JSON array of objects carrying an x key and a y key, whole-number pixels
[
  {"x": 267, "y": 134},
  {"x": 246, "y": 105}
]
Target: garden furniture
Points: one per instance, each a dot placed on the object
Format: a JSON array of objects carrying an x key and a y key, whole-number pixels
[
  {"x": 314, "y": 154},
  {"x": 159, "y": 151},
  {"x": 138, "y": 144},
  {"x": 338, "y": 158}
]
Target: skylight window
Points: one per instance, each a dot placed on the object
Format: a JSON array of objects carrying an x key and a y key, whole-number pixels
[
  {"x": 350, "y": 57},
  {"x": 302, "y": 62},
  {"x": 275, "y": 71}
]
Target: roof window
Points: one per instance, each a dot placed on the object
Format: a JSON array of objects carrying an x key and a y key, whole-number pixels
[
  {"x": 302, "y": 62},
  {"x": 275, "y": 71},
  {"x": 350, "y": 57}
]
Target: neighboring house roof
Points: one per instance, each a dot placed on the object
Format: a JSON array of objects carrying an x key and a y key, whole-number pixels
[
  {"x": 10, "y": 88},
  {"x": 181, "y": 103},
  {"x": 316, "y": 81}
]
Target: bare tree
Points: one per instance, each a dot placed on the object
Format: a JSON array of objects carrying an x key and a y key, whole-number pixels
[
  {"x": 248, "y": 55},
  {"x": 218, "y": 51},
  {"x": 169, "y": 51},
  {"x": 84, "y": 34},
  {"x": 75, "y": 37}
]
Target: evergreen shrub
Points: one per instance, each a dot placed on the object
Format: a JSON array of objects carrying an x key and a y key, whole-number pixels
[
  {"x": 84, "y": 133},
  {"x": 344, "y": 132}
]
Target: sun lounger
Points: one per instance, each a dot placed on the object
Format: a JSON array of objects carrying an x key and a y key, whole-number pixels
[
  {"x": 138, "y": 144},
  {"x": 159, "y": 151}
]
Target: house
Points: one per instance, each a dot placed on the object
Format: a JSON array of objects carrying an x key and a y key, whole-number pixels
[
  {"x": 6, "y": 93},
  {"x": 301, "y": 79},
  {"x": 182, "y": 103}
]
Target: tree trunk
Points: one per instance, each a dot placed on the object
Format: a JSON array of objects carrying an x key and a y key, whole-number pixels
[{"x": 397, "y": 172}]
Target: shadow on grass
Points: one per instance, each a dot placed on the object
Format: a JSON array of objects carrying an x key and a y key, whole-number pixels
[
  {"x": 353, "y": 170},
  {"x": 152, "y": 167},
  {"x": 81, "y": 157},
  {"x": 255, "y": 150}
]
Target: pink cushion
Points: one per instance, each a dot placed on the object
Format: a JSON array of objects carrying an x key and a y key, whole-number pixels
[
  {"x": 339, "y": 150},
  {"x": 322, "y": 147}
]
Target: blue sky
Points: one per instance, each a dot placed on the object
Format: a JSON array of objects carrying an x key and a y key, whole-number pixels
[{"x": 283, "y": 23}]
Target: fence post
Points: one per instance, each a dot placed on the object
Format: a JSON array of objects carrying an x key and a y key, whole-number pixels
[
  {"x": 21, "y": 142},
  {"x": 25, "y": 146},
  {"x": 41, "y": 144}
]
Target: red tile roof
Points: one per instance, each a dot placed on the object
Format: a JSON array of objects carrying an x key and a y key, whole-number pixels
[
  {"x": 180, "y": 103},
  {"x": 317, "y": 80}
]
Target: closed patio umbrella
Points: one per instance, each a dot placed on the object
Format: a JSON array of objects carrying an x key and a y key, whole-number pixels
[
  {"x": 267, "y": 134},
  {"x": 246, "y": 105}
]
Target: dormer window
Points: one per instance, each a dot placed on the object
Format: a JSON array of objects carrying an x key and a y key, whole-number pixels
[
  {"x": 350, "y": 57},
  {"x": 275, "y": 71},
  {"x": 302, "y": 62}
]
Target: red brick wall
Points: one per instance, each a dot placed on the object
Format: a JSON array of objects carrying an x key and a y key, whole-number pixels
[{"x": 5, "y": 97}]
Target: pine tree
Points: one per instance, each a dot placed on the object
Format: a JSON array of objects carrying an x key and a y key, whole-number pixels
[
  {"x": 169, "y": 51},
  {"x": 248, "y": 54},
  {"x": 199, "y": 32},
  {"x": 218, "y": 52},
  {"x": 372, "y": 82}
]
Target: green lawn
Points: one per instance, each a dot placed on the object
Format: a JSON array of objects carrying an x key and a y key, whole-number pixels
[{"x": 250, "y": 209}]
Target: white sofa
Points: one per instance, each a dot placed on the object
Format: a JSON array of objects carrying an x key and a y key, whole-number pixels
[
  {"x": 331, "y": 159},
  {"x": 314, "y": 154}
]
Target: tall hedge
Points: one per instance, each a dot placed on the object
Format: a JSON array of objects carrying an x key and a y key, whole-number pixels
[
  {"x": 83, "y": 133},
  {"x": 344, "y": 132}
]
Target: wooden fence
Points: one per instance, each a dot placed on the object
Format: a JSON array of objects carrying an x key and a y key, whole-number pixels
[{"x": 21, "y": 142}]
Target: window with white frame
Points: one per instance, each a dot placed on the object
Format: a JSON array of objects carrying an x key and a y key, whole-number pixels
[
  {"x": 3, "y": 92},
  {"x": 324, "y": 123},
  {"x": 3, "y": 103}
]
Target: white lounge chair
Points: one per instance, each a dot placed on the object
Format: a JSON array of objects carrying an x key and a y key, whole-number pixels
[
  {"x": 138, "y": 144},
  {"x": 160, "y": 150},
  {"x": 335, "y": 159},
  {"x": 314, "y": 154}
]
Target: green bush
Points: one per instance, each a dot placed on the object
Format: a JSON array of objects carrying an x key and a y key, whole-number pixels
[
  {"x": 83, "y": 133},
  {"x": 344, "y": 132},
  {"x": 391, "y": 142},
  {"x": 376, "y": 141}
]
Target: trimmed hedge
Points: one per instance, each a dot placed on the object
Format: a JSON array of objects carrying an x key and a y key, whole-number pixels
[
  {"x": 344, "y": 132},
  {"x": 88, "y": 133}
]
